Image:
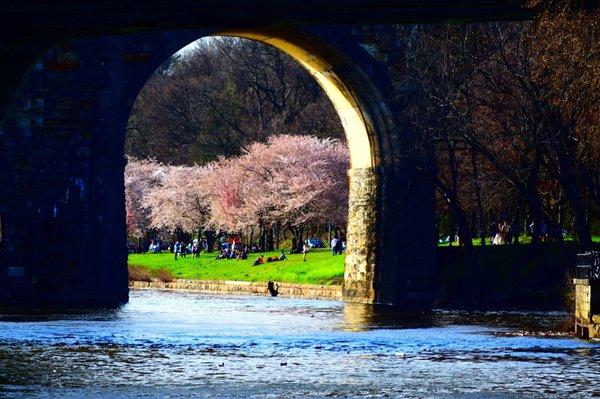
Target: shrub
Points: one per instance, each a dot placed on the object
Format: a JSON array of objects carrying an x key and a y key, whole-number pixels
[
  {"x": 138, "y": 273},
  {"x": 164, "y": 275}
]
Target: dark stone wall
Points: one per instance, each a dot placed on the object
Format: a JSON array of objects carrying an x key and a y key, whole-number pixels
[
  {"x": 61, "y": 194},
  {"x": 406, "y": 244},
  {"x": 33, "y": 17},
  {"x": 60, "y": 216},
  {"x": 61, "y": 147},
  {"x": 62, "y": 163}
]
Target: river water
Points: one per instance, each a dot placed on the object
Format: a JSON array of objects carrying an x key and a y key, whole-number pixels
[{"x": 188, "y": 345}]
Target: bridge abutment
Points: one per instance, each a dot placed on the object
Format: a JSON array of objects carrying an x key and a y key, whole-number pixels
[
  {"x": 587, "y": 308},
  {"x": 390, "y": 256},
  {"x": 587, "y": 295}
]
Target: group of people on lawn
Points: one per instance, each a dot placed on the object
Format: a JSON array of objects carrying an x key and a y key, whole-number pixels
[
  {"x": 233, "y": 248},
  {"x": 182, "y": 250},
  {"x": 502, "y": 233},
  {"x": 261, "y": 259}
]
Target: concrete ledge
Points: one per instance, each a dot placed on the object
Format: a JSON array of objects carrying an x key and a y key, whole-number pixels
[{"x": 306, "y": 291}]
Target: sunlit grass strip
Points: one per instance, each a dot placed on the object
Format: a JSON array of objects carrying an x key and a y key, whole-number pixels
[{"x": 320, "y": 267}]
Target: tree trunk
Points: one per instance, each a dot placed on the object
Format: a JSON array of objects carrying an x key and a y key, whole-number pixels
[
  {"x": 466, "y": 242},
  {"x": 261, "y": 238},
  {"x": 453, "y": 187},
  {"x": 569, "y": 181},
  {"x": 535, "y": 206},
  {"x": 269, "y": 242},
  {"x": 477, "y": 184},
  {"x": 532, "y": 197},
  {"x": 296, "y": 238},
  {"x": 210, "y": 240}
]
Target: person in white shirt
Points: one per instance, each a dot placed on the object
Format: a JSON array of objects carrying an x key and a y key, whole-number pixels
[{"x": 334, "y": 242}]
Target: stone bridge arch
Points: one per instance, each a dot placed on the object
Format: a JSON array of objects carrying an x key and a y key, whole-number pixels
[
  {"x": 367, "y": 123},
  {"x": 364, "y": 115},
  {"x": 68, "y": 126}
]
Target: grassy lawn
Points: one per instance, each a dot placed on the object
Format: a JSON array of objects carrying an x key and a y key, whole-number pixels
[{"x": 319, "y": 268}]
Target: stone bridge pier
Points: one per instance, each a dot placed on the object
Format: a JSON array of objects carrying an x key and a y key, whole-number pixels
[
  {"x": 390, "y": 257},
  {"x": 587, "y": 295},
  {"x": 62, "y": 215}
]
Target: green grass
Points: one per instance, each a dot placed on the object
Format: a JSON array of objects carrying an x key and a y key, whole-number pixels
[
  {"x": 319, "y": 268},
  {"x": 523, "y": 239}
]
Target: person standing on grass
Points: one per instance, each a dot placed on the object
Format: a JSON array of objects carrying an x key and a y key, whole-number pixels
[
  {"x": 334, "y": 243},
  {"x": 304, "y": 251},
  {"x": 339, "y": 246},
  {"x": 176, "y": 248},
  {"x": 196, "y": 249}
]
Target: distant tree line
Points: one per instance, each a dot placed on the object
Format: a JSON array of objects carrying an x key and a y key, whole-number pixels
[{"x": 511, "y": 114}]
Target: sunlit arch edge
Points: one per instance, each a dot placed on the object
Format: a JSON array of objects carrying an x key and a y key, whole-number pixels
[{"x": 335, "y": 74}]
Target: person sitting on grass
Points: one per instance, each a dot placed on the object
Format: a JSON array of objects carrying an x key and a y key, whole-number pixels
[
  {"x": 243, "y": 254},
  {"x": 259, "y": 261},
  {"x": 222, "y": 255},
  {"x": 282, "y": 256}
]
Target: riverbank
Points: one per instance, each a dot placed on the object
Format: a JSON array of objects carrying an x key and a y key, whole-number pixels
[
  {"x": 509, "y": 277},
  {"x": 289, "y": 290},
  {"x": 521, "y": 277}
]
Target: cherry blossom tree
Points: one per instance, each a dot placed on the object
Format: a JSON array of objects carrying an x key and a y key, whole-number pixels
[
  {"x": 289, "y": 182},
  {"x": 140, "y": 177},
  {"x": 180, "y": 200}
]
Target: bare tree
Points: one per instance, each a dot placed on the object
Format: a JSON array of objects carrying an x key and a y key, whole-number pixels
[{"x": 225, "y": 94}]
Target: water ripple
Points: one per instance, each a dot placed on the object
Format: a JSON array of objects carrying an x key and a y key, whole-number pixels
[{"x": 185, "y": 345}]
